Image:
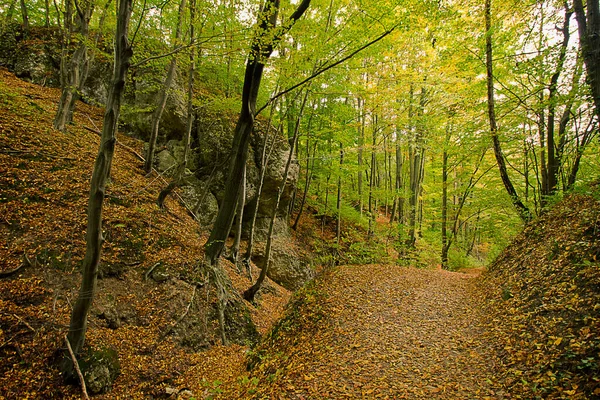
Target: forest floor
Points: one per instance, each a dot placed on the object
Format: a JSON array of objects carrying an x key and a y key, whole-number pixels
[{"x": 384, "y": 331}]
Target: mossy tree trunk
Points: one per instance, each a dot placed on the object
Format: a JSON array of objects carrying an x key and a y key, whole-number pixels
[
  {"x": 102, "y": 166},
  {"x": 163, "y": 94},
  {"x": 74, "y": 73}
]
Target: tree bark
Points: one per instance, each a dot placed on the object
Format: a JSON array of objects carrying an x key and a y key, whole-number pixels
[
  {"x": 75, "y": 74},
  {"x": 523, "y": 211},
  {"x": 94, "y": 238},
  {"x": 261, "y": 50},
  {"x": 589, "y": 36},
  {"x": 179, "y": 175},
  {"x": 251, "y": 292}
]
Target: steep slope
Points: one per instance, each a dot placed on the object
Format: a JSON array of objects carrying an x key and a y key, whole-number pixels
[
  {"x": 152, "y": 305},
  {"x": 544, "y": 302}
]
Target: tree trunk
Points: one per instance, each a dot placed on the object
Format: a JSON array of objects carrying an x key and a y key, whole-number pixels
[
  {"x": 179, "y": 175},
  {"x": 361, "y": 144},
  {"x": 338, "y": 229},
  {"x": 163, "y": 94},
  {"x": 235, "y": 249},
  {"x": 553, "y": 158},
  {"x": 94, "y": 238},
  {"x": 523, "y": 211},
  {"x": 261, "y": 50},
  {"x": 25, "y": 16},
  {"x": 372, "y": 210},
  {"x": 310, "y": 167},
  {"x": 265, "y": 157},
  {"x": 75, "y": 74},
  {"x": 589, "y": 36},
  {"x": 445, "y": 246},
  {"x": 251, "y": 292}
]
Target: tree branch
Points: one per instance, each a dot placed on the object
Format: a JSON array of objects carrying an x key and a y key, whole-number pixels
[
  {"x": 76, "y": 365},
  {"x": 325, "y": 69}
]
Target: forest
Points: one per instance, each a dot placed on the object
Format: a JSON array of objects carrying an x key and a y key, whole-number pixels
[{"x": 300, "y": 199}]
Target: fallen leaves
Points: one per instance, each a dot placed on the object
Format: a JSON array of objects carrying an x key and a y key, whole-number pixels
[{"x": 382, "y": 332}]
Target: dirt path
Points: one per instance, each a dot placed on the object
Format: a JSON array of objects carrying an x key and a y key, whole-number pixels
[{"x": 397, "y": 333}]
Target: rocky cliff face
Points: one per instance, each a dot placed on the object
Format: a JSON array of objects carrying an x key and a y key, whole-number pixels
[{"x": 36, "y": 58}]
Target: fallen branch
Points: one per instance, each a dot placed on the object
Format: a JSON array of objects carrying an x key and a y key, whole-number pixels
[
  {"x": 6, "y": 274},
  {"x": 147, "y": 274},
  {"x": 27, "y": 263},
  {"x": 24, "y": 322},
  {"x": 129, "y": 149},
  {"x": 187, "y": 310},
  {"x": 76, "y": 365}
]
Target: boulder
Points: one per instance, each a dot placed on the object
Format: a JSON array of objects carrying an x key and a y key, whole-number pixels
[
  {"x": 196, "y": 192},
  {"x": 287, "y": 266},
  {"x": 165, "y": 162},
  {"x": 100, "y": 368}
]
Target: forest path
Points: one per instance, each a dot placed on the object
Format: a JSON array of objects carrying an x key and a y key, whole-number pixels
[{"x": 397, "y": 333}]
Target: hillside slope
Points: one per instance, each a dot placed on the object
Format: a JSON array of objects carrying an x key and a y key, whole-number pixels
[
  {"x": 150, "y": 305},
  {"x": 543, "y": 295}
]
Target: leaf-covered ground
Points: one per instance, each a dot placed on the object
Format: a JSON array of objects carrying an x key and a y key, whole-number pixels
[
  {"x": 44, "y": 184},
  {"x": 379, "y": 331},
  {"x": 543, "y": 297}
]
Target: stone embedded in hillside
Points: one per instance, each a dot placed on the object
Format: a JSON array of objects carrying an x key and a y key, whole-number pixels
[
  {"x": 287, "y": 266},
  {"x": 166, "y": 163},
  {"x": 100, "y": 368},
  {"x": 196, "y": 192}
]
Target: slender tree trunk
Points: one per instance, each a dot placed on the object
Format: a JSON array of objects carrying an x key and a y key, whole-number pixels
[
  {"x": 523, "y": 211},
  {"x": 235, "y": 249},
  {"x": 310, "y": 167},
  {"x": 25, "y": 16},
  {"x": 338, "y": 228},
  {"x": 94, "y": 238},
  {"x": 589, "y": 34},
  {"x": 416, "y": 169},
  {"x": 372, "y": 206},
  {"x": 163, "y": 94},
  {"x": 251, "y": 292},
  {"x": 46, "y": 13},
  {"x": 445, "y": 246},
  {"x": 179, "y": 175},
  {"x": 265, "y": 157},
  {"x": 261, "y": 50},
  {"x": 75, "y": 74},
  {"x": 553, "y": 158},
  {"x": 361, "y": 144}
]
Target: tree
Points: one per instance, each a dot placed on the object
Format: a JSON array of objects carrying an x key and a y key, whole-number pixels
[
  {"x": 163, "y": 93},
  {"x": 74, "y": 73},
  {"x": 267, "y": 36},
  {"x": 102, "y": 167},
  {"x": 523, "y": 211},
  {"x": 589, "y": 34}
]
